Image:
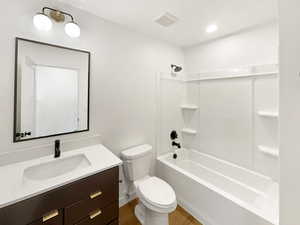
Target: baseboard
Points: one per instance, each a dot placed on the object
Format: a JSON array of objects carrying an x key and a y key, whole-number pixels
[
  {"x": 195, "y": 213},
  {"x": 124, "y": 199}
]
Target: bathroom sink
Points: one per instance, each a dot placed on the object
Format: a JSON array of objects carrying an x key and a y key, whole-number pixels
[{"x": 56, "y": 167}]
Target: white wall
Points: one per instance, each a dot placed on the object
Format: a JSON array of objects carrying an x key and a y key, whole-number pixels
[
  {"x": 289, "y": 108},
  {"x": 123, "y": 69},
  {"x": 252, "y": 47}
]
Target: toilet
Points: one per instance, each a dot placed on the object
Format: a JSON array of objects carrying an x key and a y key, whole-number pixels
[{"x": 156, "y": 197}]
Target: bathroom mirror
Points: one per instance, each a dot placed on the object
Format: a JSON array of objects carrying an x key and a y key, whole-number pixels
[{"x": 51, "y": 90}]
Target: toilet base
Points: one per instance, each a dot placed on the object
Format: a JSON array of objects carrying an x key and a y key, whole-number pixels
[
  {"x": 149, "y": 217},
  {"x": 139, "y": 212}
]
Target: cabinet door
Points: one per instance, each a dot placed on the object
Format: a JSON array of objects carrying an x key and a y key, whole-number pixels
[{"x": 52, "y": 218}]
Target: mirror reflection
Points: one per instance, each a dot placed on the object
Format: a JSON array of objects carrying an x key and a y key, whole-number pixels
[{"x": 52, "y": 90}]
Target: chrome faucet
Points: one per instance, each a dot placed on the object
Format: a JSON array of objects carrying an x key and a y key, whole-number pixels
[{"x": 57, "y": 149}]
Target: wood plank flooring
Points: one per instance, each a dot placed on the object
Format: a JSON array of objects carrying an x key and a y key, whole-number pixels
[{"x": 178, "y": 217}]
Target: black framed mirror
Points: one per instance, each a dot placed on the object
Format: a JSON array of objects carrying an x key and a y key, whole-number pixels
[{"x": 52, "y": 90}]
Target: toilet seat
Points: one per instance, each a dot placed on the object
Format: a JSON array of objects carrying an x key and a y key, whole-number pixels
[{"x": 157, "y": 195}]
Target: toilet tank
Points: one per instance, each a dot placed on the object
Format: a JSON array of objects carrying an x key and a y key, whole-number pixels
[{"x": 137, "y": 162}]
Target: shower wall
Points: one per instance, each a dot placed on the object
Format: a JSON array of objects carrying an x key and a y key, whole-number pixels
[
  {"x": 222, "y": 112},
  {"x": 171, "y": 94},
  {"x": 230, "y": 124},
  {"x": 231, "y": 117},
  {"x": 225, "y": 120}
]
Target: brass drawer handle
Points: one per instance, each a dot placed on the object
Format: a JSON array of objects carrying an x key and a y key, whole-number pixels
[
  {"x": 95, "y": 213},
  {"x": 95, "y": 194},
  {"x": 50, "y": 215}
]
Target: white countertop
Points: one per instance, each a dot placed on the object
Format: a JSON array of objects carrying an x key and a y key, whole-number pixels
[{"x": 15, "y": 187}]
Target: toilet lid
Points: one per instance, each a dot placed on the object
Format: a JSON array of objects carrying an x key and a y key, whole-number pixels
[{"x": 157, "y": 192}]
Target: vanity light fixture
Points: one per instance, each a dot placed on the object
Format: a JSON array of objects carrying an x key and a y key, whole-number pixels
[{"x": 42, "y": 21}]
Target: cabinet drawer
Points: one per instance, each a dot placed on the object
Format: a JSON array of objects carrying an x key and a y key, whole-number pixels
[
  {"x": 82, "y": 189},
  {"x": 101, "y": 216},
  {"x": 105, "y": 195},
  {"x": 51, "y": 218}
]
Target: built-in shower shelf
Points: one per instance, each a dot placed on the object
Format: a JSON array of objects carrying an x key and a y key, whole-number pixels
[
  {"x": 189, "y": 131},
  {"x": 272, "y": 114},
  {"x": 269, "y": 151},
  {"x": 189, "y": 107}
]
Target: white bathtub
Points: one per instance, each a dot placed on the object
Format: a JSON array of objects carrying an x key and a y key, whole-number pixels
[{"x": 220, "y": 193}]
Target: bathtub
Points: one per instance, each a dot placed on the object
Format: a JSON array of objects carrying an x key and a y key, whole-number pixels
[{"x": 217, "y": 192}]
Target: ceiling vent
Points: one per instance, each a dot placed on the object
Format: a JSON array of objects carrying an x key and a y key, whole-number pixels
[{"x": 166, "y": 20}]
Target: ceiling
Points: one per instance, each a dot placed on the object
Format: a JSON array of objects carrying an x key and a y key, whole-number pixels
[{"x": 194, "y": 15}]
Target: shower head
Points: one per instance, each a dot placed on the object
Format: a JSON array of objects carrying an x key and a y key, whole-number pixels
[{"x": 175, "y": 68}]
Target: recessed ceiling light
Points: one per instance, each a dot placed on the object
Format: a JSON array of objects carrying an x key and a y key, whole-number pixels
[{"x": 211, "y": 28}]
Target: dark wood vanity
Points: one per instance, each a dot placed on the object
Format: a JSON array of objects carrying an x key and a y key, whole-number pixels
[{"x": 90, "y": 201}]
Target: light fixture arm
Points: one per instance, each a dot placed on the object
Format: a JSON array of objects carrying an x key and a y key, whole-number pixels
[{"x": 56, "y": 10}]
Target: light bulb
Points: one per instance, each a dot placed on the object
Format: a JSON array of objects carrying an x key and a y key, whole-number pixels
[
  {"x": 72, "y": 29},
  {"x": 42, "y": 22},
  {"x": 211, "y": 28}
]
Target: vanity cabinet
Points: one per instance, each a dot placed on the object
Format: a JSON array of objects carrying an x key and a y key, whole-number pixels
[{"x": 89, "y": 201}]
